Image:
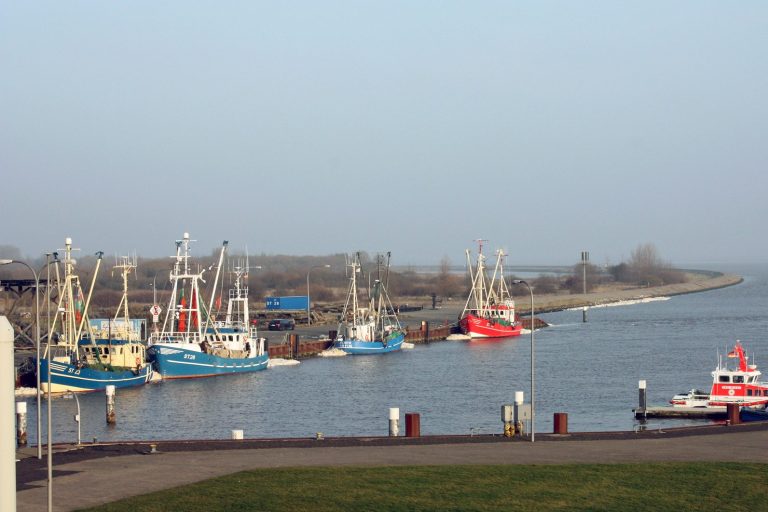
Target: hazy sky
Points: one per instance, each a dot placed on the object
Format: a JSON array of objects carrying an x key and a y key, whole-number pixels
[{"x": 315, "y": 127}]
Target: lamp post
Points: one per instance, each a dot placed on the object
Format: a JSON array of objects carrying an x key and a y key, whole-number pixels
[
  {"x": 309, "y": 319},
  {"x": 533, "y": 380},
  {"x": 37, "y": 348}
]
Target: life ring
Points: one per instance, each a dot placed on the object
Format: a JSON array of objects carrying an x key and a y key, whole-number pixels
[
  {"x": 731, "y": 392},
  {"x": 138, "y": 362}
]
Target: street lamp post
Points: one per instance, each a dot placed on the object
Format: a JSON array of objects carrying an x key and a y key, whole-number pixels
[
  {"x": 309, "y": 318},
  {"x": 533, "y": 380},
  {"x": 37, "y": 348}
]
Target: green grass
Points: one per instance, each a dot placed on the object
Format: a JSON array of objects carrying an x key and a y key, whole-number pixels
[{"x": 631, "y": 487}]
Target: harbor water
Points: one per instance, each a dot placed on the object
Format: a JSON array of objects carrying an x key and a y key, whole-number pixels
[{"x": 588, "y": 370}]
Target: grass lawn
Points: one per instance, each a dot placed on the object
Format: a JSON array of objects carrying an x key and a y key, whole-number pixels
[{"x": 631, "y": 487}]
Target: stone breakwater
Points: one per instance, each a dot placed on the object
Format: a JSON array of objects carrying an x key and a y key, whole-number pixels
[{"x": 697, "y": 282}]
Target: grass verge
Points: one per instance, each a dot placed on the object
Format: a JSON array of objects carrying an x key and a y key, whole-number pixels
[{"x": 620, "y": 487}]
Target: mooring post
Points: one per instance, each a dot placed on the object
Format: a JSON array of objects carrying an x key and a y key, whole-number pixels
[
  {"x": 517, "y": 417},
  {"x": 641, "y": 385},
  {"x": 111, "y": 418},
  {"x": 561, "y": 423},
  {"x": 506, "y": 417},
  {"x": 425, "y": 330},
  {"x": 412, "y": 424},
  {"x": 21, "y": 423},
  {"x": 394, "y": 421},
  {"x": 584, "y": 261}
]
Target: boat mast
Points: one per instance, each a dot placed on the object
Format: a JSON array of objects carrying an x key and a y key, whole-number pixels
[
  {"x": 213, "y": 289},
  {"x": 170, "y": 313},
  {"x": 126, "y": 266},
  {"x": 84, "y": 316}
]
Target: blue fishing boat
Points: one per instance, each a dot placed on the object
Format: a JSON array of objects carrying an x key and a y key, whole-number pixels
[
  {"x": 373, "y": 328},
  {"x": 192, "y": 342},
  {"x": 82, "y": 357}
]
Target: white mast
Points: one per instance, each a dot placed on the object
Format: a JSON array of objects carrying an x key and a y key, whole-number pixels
[{"x": 126, "y": 266}]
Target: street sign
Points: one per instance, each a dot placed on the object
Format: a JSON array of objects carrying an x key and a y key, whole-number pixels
[{"x": 292, "y": 303}]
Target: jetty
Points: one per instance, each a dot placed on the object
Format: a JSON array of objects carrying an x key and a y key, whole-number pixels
[{"x": 718, "y": 413}]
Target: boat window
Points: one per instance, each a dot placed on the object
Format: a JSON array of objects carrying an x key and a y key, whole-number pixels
[
  {"x": 725, "y": 378},
  {"x": 749, "y": 392},
  {"x": 738, "y": 379},
  {"x": 231, "y": 338}
]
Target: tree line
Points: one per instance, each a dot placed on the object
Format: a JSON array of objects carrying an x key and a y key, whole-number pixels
[{"x": 282, "y": 275}]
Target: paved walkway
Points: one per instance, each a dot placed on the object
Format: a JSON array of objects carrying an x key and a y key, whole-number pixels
[{"x": 91, "y": 481}]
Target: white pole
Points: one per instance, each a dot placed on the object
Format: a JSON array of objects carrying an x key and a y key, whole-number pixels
[
  {"x": 7, "y": 423},
  {"x": 21, "y": 423},
  {"x": 394, "y": 421},
  {"x": 110, "y": 393}
]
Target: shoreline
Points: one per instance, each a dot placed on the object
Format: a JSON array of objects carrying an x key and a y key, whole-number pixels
[{"x": 700, "y": 281}]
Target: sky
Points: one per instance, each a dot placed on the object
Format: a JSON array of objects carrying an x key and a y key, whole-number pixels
[{"x": 415, "y": 127}]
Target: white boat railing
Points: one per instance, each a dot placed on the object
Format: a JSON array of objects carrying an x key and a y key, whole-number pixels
[{"x": 174, "y": 337}]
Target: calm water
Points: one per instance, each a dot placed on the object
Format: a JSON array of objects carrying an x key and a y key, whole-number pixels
[{"x": 588, "y": 370}]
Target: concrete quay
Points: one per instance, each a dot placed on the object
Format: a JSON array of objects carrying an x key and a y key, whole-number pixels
[{"x": 85, "y": 477}]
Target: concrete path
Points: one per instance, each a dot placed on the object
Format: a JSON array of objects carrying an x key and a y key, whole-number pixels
[{"x": 92, "y": 482}]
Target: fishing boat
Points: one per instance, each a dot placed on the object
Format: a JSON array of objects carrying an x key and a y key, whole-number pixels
[
  {"x": 489, "y": 311},
  {"x": 192, "y": 342},
  {"x": 81, "y": 357},
  {"x": 739, "y": 385},
  {"x": 368, "y": 327}
]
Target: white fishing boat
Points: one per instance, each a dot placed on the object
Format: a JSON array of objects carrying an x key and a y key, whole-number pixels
[
  {"x": 368, "y": 327},
  {"x": 81, "y": 358},
  {"x": 191, "y": 342}
]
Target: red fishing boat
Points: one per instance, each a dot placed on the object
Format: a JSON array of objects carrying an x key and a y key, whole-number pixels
[
  {"x": 489, "y": 311},
  {"x": 740, "y": 385}
]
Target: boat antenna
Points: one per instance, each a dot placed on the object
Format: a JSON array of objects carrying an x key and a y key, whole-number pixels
[{"x": 386, "y": 277}]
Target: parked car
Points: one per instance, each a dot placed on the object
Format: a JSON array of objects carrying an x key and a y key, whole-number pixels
[{"x": 281, "y": 324}]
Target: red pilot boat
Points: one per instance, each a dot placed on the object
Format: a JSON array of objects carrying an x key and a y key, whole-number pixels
[
  {"x": 489, "y": 311},
  {"x": 729, "y": 386}
]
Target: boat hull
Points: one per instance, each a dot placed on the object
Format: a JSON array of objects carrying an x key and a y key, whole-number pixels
[
  {"x": 67, "y": 377},
  {"x": 179, "y": 363},
  {"x": 753, "y": 414},
  {"x": 477, "y": 327},
  {"x": 360, "y": 347}
]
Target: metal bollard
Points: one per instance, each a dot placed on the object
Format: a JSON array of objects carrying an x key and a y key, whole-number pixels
[
  {"x": 642, "y": 398},
  {"x": 561, "y": 423},
  {"x": 394, "y": 421},
  {"x": 21, "y": 423},
  {"x": 111, "y": 417},
  {"x": 412, "y": 424}
]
